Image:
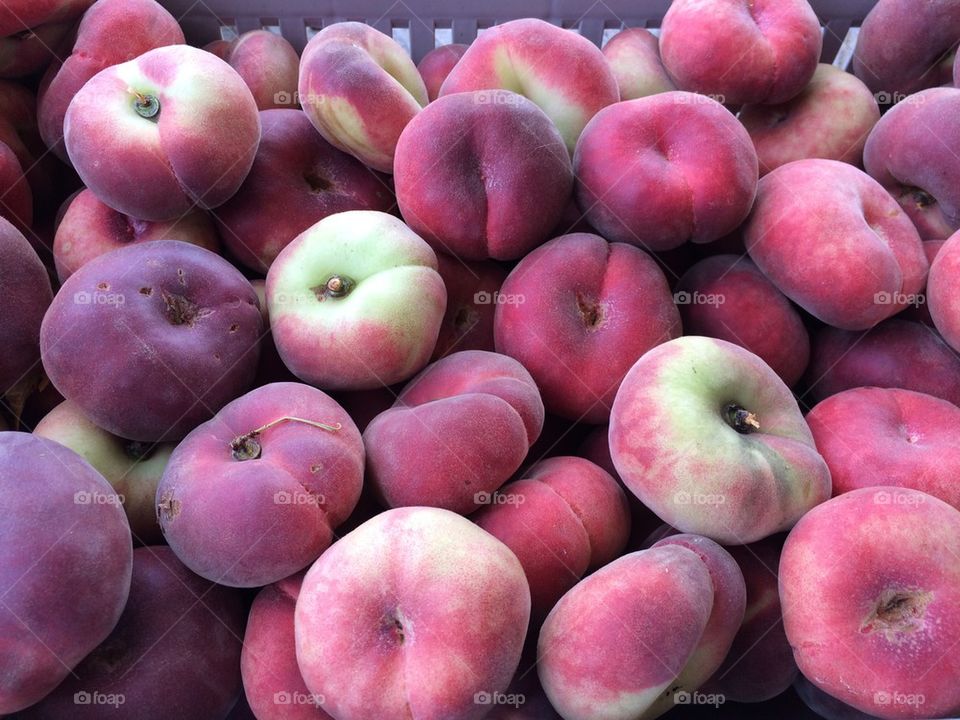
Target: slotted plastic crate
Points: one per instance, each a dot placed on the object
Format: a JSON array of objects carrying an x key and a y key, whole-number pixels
[{"x": 418, "y": 24}]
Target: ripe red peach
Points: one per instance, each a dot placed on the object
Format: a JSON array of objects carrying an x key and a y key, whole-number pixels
[
  {"x": 66, "y": 567},
  {"x": 905, "y": 46},
  {"x": 268, "y": 65},
  {"x": 833, "y": 241},
  {"x": 437, "y": 64},
  {"x": 173, "y": 623},
  {"x": 482, "y": 175},
  {"x": 89, "y": 228},
  {"x": 912, "y": 149},
  {"x": 25, "y": 295},
  {"x": 456, "y": 433},
  {"x": 473, "y": 294},
  {"x": 154, "y": 137},
  {"x": 861, "y": 588},
  {"x": 110, "y": 32},
  {"x": 151, "y": 339},
  {"x": 416, "y": 613},
  {"x": 942, "y": 291},
  {"x": 741, "y": 51},
  {"x": 272, "y": 681},
  {"x": 280, "y": 468},
  {"x": 356, "y": 302},
  {"x": 577, "y": 313},
  {"x": 634, "y": 57},
  {"x": 897, "y": 353},
  {"x": 297, "y": 179},
  {"x": 590, "y": 667},
  {"x": 829, "y": 119},
  {"x": 360, "y": 89},
  {"x": 889, "y": 436},
  {"x": 727, "y": 297},
  {"x": 565, "y": 517},
  {"x": 562, "y": 72},
  {"x": 132, "y": 468},
  {"x": 709, "y": 437},
  {"x": 691, "y": 149}
]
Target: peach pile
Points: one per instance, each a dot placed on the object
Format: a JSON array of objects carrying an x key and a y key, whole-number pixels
[{"x": 408, "y": 365}]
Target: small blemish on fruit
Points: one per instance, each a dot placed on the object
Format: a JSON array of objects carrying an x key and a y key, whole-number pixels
[
  {"x": 316, "y": 468},
  {"x": 103, "y": 286},
  {"x": 234, "y": 328},
  {"x": 168, "y": 507},
  {"x": 146, "y": 291}
]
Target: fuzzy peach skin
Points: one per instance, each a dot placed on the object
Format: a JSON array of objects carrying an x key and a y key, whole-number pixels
[
  {"x": 914, "y": 147},
  {"x": 870, "y": 607},
  {"x": 760, "y": 664},
  {"x": 896, "y": 353},
  {"x": 174, "y": 623},
  {"x": 16, "y": 196},
  {"x": 942, "y": 291},
  {"x": 355, "y": 302},
  {"x": 272, "y": 681},
  {"x": 66, "y": 566},
  {"x": 174, "y": 129},
  {"x": 297, "y": 179},
  {"x": 889, "y": 436},
  {"x": 29, "y": 51},
  {"x": 111, "y": 32},
  {"x": 473, "y": 291},
  {"x": 617, "y": 641},
  {"x": 634, "y": 57},
  {"x": 482, "y": 175},
  {"x": 413, "y": 614},
  {"x": 132, "y": 468},
  {"x": 727, "y": 297},
  {"x": 279, "y": 468},
  {"x": 709, "y": 438},
  {"x": 596, "y": 448},
  {"x": 455, "y": 434},
  {"x": 741, "y": 51},
  {"x": 437, "y": 64},
  {"x": 726, "y": 616},
  {"x": 577, "y": 313},
  {"x": 17, "y": 16},
  {"x": 829, "y": 119},
  {"x": 360, "y": 89},
  {"x": 833, "y": 241},
  {"x": 562, "y": 72},
  {"x": 90, "y": 228},
  {"x": 904, "y": 46},
  {"x": 665, "y": 169},
  {"x": 25, "y": 295},
  {"x": 563, "y": 518},
  {"x": 268, "y": 65},
  {"x": 151, "y": 339}
]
